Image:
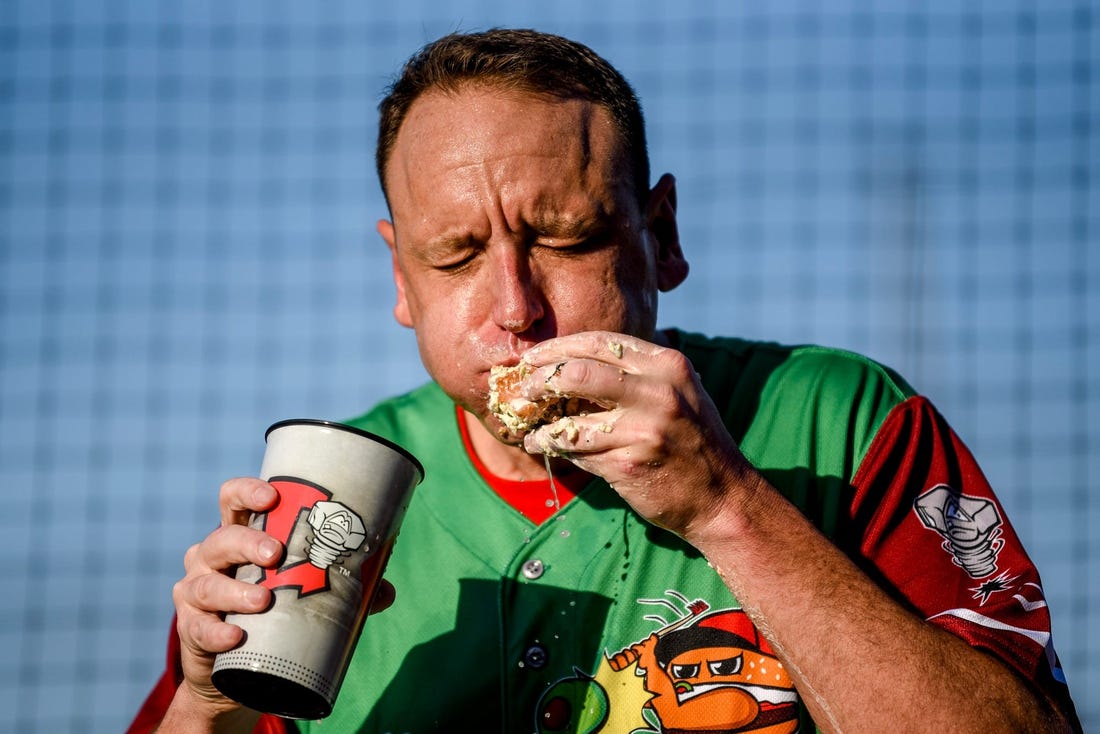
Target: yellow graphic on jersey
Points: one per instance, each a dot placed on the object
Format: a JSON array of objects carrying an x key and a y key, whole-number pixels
[{"x": 706, "y": 672}]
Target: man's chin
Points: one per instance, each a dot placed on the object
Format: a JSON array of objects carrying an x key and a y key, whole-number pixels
[{"x": 495, "y": 427}]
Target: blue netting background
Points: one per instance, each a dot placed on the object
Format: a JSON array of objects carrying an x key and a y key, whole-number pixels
[{"x": 187, "y": 254}]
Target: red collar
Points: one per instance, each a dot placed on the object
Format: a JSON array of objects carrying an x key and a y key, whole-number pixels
[{"x": 533, "y": 498}]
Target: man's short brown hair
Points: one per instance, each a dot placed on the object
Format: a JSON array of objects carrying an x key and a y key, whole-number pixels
[{"x": 522, "y": 60}]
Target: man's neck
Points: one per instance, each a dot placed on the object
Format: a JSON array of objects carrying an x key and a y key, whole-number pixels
[{"x": 505, "y": 461}]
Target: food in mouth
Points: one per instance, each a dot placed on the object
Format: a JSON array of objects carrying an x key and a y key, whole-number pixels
[{"x": 519, "y": 414}]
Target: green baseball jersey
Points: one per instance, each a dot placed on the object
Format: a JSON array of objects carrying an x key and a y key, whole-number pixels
[
  {"x": 595, "y": 621},
  {"x": 500, "y": 625}
]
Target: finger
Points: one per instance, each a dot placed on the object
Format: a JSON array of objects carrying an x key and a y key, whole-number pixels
[
  {"x": 206, "y": 633},
  {"x": 231, "y": 546},
  {"x": 573, "y": 436},
  {"x": 607, "y": 346},
  {"x": 241, "y": 497},
  {"x": 215, "y": 593},
  {"x": 597, "y": 381},
  {"x": 384, "y": 597}
]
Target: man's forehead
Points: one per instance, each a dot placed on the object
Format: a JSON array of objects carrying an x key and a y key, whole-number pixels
[
  {"x": 552, "y": 164},
  {"x": 474, "y": 123}
]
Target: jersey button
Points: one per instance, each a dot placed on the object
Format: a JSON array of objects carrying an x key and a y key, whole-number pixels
[
  {"x": 535, "y": 657},
  {"x": 533, "y": 569}
]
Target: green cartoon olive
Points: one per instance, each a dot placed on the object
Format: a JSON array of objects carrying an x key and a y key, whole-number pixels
[{"x": 577, "y": 705}]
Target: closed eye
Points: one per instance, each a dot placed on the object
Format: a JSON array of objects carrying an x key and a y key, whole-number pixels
[
  {"x": 452, "y": 257},
  {"x": 456, "y": 264},
  {"x": 576, "y": 246}
]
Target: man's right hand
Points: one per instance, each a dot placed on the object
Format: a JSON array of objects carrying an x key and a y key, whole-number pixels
[{"x": 208, "y": 590}]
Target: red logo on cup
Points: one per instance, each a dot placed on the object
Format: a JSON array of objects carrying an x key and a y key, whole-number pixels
[{"x": 337, "y": 532}]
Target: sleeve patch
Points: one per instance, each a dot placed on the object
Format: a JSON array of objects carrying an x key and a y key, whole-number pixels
[
  {"x": 932, "y": 530},
  {"x": 970, "y": 527}
]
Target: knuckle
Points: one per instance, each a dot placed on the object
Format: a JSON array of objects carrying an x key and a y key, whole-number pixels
[
  {"x": 657, "y": 442},
  {"x": 580, "y": 372},
  {"x": 179, "y": 592},
  {"x": 678, "y": 366},
  {"x": 234, "y": 492},
  {"x": 183, "y": 629},
  {"x": 229, "y": 490},
  {"x": 190, "y": 556},
  {"x": 628, "y": 469},
  {"x": 203, "y": 591},
  {"x": 226, "y": 488},
  {"x": 191, "y": 632},
  {"x": 666, "y": 399}
]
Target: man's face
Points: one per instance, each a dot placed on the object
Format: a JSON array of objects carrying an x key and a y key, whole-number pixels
[{"x": 514, "y": 221}]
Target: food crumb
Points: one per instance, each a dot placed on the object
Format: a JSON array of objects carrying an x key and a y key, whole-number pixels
[
  {"x": 571, "y": 431},
  {"x": 566, "y": 426},
  {"x": 616, "y": 349}
]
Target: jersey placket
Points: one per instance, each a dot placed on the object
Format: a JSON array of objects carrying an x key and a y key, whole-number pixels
[{"x": 552, "y": 611}]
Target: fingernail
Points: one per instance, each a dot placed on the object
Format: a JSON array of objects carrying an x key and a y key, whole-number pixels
[
  {"x": 269, "y": 549},
  {"x": 263, "y": 495},
  {"x": 256, "y": 595}
]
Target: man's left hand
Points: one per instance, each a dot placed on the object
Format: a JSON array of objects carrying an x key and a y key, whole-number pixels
[{"x": 658, "y": 440}]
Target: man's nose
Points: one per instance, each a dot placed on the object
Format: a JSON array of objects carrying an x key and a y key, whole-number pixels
[{"x": 517, "y": 292}]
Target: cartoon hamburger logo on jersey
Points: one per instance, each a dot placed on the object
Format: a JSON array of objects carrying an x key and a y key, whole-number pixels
[{"x": 706, "y": 671}]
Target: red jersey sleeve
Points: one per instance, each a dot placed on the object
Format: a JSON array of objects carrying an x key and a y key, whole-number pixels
[
  {"x": 932, "y": 526},
  {"x": 156, "y": 703}
]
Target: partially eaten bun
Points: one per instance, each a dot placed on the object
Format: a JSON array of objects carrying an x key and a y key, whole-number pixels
[{"x": 518, "y": 414}]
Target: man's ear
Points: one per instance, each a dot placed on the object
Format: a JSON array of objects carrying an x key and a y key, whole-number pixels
[
  {"x": 401, "y": 308},
  {"x": 672, "y": 267}
]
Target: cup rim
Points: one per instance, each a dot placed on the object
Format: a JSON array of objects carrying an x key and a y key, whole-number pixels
[{"x": 349, "y": 429}]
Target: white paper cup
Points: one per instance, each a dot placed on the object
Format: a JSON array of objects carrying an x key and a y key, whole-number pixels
[{"x": 342, "y": 495}]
